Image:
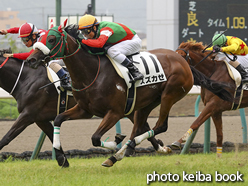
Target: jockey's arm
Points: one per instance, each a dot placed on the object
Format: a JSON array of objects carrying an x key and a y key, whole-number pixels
[
  {"x": 101, "y": 41},
  {"x": 14, "y": 30},
  {"x": 22, "y": 56},
  {"x": 231, "y": 48}
]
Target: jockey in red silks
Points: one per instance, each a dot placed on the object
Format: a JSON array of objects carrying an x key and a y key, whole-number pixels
[
  {"x": 29, "y": 35},
  {"x": 120, "y": 40}
]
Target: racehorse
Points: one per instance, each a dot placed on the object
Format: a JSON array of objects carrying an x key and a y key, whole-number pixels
[
  {"x": 100, "y": 91},
  {"x": 214, "y": 106},
  {"x": 34, "y": 105}
]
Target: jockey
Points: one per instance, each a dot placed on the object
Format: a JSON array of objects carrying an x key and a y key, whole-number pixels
[
  {"x": 29, "y": 35},
  {"x": 232, "y": 45},
  {"x": 120, "y": 39}
]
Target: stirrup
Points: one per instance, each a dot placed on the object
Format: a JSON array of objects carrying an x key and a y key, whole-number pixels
[{"x": 244, "y": 81}]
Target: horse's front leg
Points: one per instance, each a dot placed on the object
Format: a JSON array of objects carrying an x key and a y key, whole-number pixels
[
  {"x": 74, "y": 113},
  {"x": 47, "y": 128},
  {"x": 109, "y": 120}
]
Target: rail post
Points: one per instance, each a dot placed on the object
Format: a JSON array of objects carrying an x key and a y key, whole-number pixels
[{"x": 244, "y": 126}]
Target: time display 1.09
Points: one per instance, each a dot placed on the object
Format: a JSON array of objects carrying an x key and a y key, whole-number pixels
[{"x": 200, "y": 20}]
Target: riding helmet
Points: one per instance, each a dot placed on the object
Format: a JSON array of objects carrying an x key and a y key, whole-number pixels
[
  {"x": 87, "y": 21},
  {"x": 219, "y": 39},
  {"x": 27, "y": 29}
]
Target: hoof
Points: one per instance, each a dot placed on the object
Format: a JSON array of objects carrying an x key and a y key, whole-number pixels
[
  {"x": 176, "y": 144},
  {"x": 107, "y": 163},
  {"x": 62, "y": 161},
  {"x": 129, "y": 152},
  {"x": 218, "y": 155},
  {"x": 164, "y": 150},
  {"x": 160, "y": 142},
  {"x": 119, "y": 138}
]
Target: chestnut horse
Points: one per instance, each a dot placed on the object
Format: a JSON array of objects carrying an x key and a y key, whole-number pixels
[
  {"x": 214, "y": 106},
  {"x": 100, "y": 91},
  {"x": 34, "y": 105}
]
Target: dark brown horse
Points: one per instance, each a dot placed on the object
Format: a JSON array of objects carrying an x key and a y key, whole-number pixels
[
  {"x": 34, "y": 105},
  {"x": 214, "y": 106},
  {"x": 100, "y": 91}
]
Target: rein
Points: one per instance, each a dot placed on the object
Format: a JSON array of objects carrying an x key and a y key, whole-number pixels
[
  {"x": 18, "y": 77},
  {"x": 4, "y": 62},
  {"x": 64, "y": 57}
]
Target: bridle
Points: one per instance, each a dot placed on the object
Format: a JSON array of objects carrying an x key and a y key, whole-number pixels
[
  {"x": 63, "y": 41},
  {"x": 187, "y": 57}
]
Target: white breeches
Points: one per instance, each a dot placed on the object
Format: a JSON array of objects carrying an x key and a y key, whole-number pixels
[
  {"x": 243, "y": 60},
  {"x": 58, "y": 61},
  {"x": 120, "y": 50},
  {"x": 56, "y": 65}
]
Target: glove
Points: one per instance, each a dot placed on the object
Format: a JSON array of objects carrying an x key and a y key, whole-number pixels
[
  {"x": 216, "y": 49},
  {"x": 7, "y": 55}
]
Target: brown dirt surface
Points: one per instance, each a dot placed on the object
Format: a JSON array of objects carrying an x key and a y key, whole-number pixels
[{"x": 77, "y": 134}]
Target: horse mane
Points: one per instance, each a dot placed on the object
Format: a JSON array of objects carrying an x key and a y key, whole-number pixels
[
  {"x": 190, "y": 45},
  {"x": 196, "y": 47}
]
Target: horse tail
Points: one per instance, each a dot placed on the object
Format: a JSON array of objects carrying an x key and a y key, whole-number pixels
[{"x": 217, "y": 88}]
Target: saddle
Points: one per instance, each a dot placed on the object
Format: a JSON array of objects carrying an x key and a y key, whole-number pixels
[
  {"x": 148, "y": 65},
  {"x": 62, "y": 94},
  {"x": 238, "y": 95}
]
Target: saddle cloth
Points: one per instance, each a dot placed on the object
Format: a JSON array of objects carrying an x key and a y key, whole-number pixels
[
  {"x": 147, "y": 64},
  {"x": 53, "y": 77}
]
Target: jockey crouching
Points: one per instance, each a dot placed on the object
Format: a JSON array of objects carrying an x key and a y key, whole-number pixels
[
  {"x": 29, "y": 35},
  {"x": 122, "y": 40},
  {"x": 232, "y": 46}
]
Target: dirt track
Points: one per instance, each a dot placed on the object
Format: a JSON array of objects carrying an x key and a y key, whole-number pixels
[{"x": 77, "y": 134}]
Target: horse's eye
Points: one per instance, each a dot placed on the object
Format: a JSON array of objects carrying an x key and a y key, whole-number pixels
[{"x": 51, "y": 40}]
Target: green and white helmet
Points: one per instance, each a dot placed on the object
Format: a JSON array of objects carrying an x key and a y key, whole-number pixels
[{"x": 221, "y": 40}]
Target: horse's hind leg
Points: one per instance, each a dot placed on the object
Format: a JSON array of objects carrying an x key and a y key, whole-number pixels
[
  {"x": 47, "y": 128},
  {"x": 19, "y": 125},
  {"x": 217, "y": 119}
]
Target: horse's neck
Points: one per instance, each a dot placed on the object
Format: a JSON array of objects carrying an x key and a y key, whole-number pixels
[
  {"x": 15, "y": 77},
  {"x": 207, "y": 66},
  {"x": 82, "y": 66}
]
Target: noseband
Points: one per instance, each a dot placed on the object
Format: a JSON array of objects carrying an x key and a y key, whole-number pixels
[{"x": 187, "y": 57}]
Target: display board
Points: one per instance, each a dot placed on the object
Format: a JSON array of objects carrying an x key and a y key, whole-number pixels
[{"x": 200, "y": 20}]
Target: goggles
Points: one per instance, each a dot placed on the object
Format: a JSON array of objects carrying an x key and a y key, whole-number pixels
[
  {"x": 25, "y": 39},
  {"x": 86, "y": 31}
]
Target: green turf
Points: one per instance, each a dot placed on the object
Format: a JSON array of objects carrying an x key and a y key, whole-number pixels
[{"x": 130, "y": 171}]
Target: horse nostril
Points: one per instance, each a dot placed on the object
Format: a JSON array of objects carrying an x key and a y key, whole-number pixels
[{"x": 32, "y": 60}]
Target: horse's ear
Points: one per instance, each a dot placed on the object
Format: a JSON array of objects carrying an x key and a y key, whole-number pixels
[
  {"x": 51, "y": 23},
  {"x": 62, "y": 26}
]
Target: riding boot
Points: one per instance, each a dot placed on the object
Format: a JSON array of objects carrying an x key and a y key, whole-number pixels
[
  {"x": 243, "y": 73},
  {"x": 134, "y": 71},
  {"x": 65, "y": 83},
  {"x": 64, "y": 79}
]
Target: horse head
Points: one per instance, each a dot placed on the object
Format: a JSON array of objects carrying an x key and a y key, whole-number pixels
[
  {"x": 194, "y": 55},
  {"x": 51, "y": 45}
]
